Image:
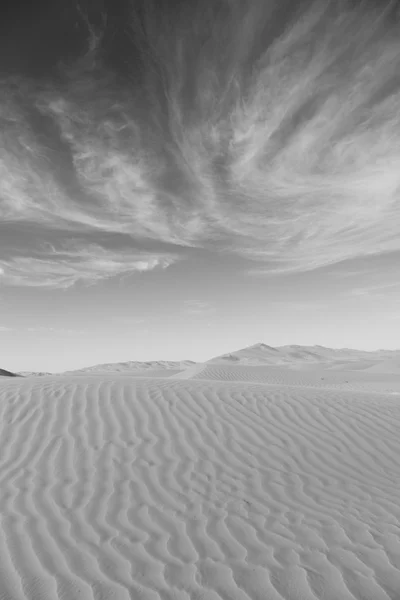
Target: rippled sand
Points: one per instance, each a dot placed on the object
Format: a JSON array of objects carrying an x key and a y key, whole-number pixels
[{"x": 204, "y": 488}]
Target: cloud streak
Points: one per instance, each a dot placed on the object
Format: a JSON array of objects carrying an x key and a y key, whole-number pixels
[
  {"x": 62, "y": 268},
  {"x": 198, "y": 308},
  {"x": 226, "y": 129},
  {"x": 56, "y": 330},
  {"x": 381, "y": 291}
]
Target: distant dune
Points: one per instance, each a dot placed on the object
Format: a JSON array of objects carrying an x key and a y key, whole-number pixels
[
  {"x": 34, "y": 373},
  {"x": 293, "y": 357},
  {"x": 4, "y": 373},
  {"x": 305, "y": 357},
  {"x": 133, "y": 366},
  {"x": 224, "y": 482},
  {"x": 317, "y": 377}
]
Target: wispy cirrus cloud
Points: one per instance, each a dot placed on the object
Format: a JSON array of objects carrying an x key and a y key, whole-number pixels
[
  {"x": 198, "y": 308},
  {"x": 283, "y": 148},
  {"x": 63, "y": 267},
  {"x": 294, "y": 306},
  {"x": 56, "y": 330},
  {"x": 132, "y": 321},
  {"x": 381, "y": 291}
]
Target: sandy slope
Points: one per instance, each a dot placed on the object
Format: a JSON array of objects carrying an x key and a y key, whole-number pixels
[
  {"x": 318, "y": 377},
  {"x": 311, "y": 357},
  {"x": 126, "y": 488},
  {"x": 132, "y": 367},
  {"x": 5, "y": 373},
  {"x": 155, "y": 368}
]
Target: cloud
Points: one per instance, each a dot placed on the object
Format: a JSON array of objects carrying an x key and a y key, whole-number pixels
[
  {"x": 56, "y": 330},
  {"x": 381, "y": 291},
  {"x": 62, "y": 268},
  {"x": 293, "y": 306},
  {"x": 134, "y": 321},
  {"x": 395, "y": 316},
  {"x": 281, "y": 148},
  {"x": 198, "y": 308}
]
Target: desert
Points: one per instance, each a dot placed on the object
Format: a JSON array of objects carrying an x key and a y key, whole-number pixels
[
  {"x": 199, "y": 300},
  {"x": 226, "y": 482}
]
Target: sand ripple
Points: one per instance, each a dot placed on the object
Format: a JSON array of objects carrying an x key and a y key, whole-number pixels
[{"x": 184, "y": 489}]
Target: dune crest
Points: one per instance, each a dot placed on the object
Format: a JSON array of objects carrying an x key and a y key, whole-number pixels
[
  {"x": 5, "y": 373},
  {"x": 297, "y": 357},
  {"x": 292, "y": 357}
]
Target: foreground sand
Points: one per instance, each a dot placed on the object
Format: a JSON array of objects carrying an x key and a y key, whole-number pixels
[{"x": 114, "y": 487}]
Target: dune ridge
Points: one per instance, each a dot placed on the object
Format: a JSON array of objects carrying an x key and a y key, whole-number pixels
[
  {"x": 144, "y": 489},
  {"x": 5, "y": 373},
  {"x": 320, "y": 377},
  {"x": 306, "y": 357},
  {"x": 140, "y": 366},
  {"x": 292, "y": 357}
]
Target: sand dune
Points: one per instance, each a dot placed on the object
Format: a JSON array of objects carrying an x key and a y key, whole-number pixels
[
  {"x": 318, "y": 377},
  {"x": 309, "y": 357},
  {"x": 4, "y": 373},
  {"x": 34, "y": 373},
  {"x": 386, "y": 366},
  {"x": 123, "y": 488},
  {"x": 142, "y": 367},
  {"x": 159, "y": 368},
  {"x": 293, "y": 357}
]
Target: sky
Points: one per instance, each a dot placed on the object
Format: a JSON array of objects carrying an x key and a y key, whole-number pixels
[{"x": 181, "y": 179}]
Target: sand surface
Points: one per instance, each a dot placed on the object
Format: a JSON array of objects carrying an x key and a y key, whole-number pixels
[{"x": 221, "y": 484}]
